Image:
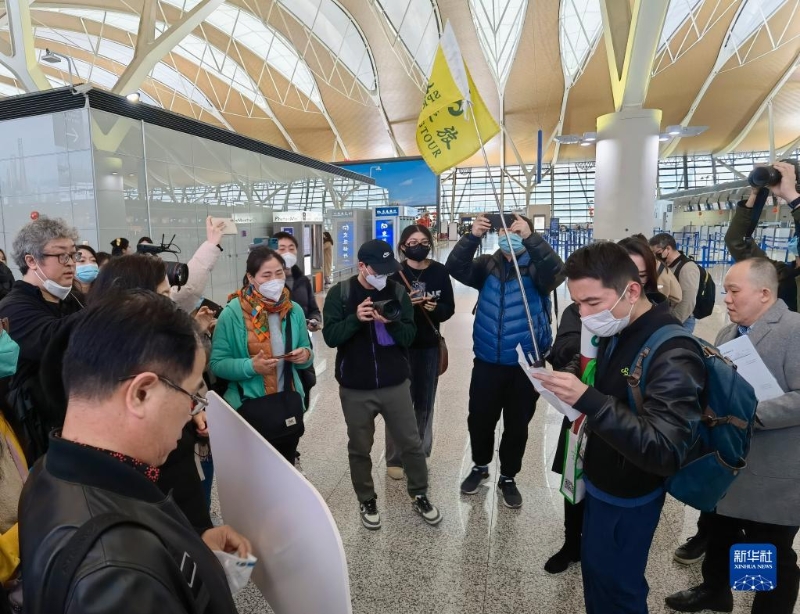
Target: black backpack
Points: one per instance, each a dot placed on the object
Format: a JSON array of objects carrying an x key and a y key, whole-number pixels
[{"x": 706, "y": 289}]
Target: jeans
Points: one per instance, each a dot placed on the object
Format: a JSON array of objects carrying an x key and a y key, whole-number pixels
[
  {"x": 495, "y": 390},
  {"x": 690, "y": 323},
  {"x": 725, "y": 531},
  {"x": 614, "y": 550},
  {"x": 424, "y": 379},
  {"x": 360, "y": 408}
]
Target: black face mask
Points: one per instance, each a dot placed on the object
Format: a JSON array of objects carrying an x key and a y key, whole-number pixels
[{"x": 417, "y": 253}]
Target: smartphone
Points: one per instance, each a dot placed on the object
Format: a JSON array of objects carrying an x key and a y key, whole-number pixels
[
  {"x": 229, "y": 228},
  {"x": 494, "y": 219},
  {"x": 217, "y": 309}
]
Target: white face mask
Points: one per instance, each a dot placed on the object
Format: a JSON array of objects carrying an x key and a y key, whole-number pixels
[
  {"x": 376, "y": 281},
  {"x": 57, "y": 290},
  {"x": 604, "y": 324},
  {"x": 271, "y": 290},
  {"x": 289, "y": 259}
]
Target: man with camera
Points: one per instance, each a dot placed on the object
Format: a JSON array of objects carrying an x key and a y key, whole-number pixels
[
  {"x": 370, "y": 321},
  {"x": 739, "y": 238},
  {"x": 501, "y": 323}
]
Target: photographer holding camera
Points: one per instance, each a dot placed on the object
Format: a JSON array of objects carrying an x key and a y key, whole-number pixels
[
  {"x": 498, "y": 385},
  {"x": 739, "y": 238},
  {"x": 370, "y": 320}
]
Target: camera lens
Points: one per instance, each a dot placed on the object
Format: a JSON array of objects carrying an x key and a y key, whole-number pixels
[
  {"x": 389, "y": 309},
  {"x": 177, "y": 273},
  {"x": 764, "y": 176}
]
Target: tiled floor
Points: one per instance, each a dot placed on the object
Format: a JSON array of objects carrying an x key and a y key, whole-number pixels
[{"x": 483, "y": 557}]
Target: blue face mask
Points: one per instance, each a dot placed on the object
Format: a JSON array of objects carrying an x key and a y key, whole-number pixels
[
  {"x": 9, "y": 353},
  {"x": 86, "y": 273},
  {"x": 515, "y": 244}
]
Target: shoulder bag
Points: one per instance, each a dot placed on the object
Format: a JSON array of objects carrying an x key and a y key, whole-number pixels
[{"x": 280, "y": 414}]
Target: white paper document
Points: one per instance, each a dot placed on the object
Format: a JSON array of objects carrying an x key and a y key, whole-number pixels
[
  {"x": 744, "y": 355},
  {"x": 569, "y": 411}
]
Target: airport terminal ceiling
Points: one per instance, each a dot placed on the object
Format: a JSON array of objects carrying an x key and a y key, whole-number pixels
[{"x": 344, "y": 79}]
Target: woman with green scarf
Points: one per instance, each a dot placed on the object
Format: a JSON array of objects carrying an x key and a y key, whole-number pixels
[{"x": 249, "y": 346}]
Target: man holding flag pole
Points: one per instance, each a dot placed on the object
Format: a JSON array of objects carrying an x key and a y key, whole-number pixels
[{"x": 514, "y": 283}]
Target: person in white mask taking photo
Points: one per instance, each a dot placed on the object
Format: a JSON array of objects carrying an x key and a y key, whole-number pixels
[
  {"x": 370, "y": 321},
  {"x": 628, "y": 453},
  {"x": 260, "y": 343}
]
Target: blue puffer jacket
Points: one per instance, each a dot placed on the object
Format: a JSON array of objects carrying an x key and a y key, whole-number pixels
[{"x": 500, "y": 321}]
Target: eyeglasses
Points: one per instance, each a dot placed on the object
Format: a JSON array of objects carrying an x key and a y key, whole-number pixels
[
  {"x": 414, "y": 243},
  {"x": 66, "y": 257},
  {"x": 199, "y": 403}
]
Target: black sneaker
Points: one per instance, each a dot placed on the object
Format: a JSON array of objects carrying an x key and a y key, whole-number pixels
[
  {"x": 692, "y": 551},
  {"x": 429, "y": 513},
  {"x": 511, "y": 496},
  {"x": 370, "y": 517},
  {"x": 476, "y": 477}
]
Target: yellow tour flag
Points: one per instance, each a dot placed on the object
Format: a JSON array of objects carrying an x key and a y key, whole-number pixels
[{"x": 446, "y": 132}]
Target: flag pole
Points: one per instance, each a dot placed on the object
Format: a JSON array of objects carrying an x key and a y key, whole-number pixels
[{"x": 538, "y": 361}]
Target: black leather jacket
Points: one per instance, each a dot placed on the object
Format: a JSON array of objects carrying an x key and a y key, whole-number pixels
[
  {"x": 129, "y": 570},
  {"x": 629, "y": 455}
]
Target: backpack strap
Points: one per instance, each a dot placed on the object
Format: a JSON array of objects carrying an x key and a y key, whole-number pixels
[
  {"x": 661, "y": 267},
  {"x": 344, "y": 291},
  {"x": 682, "y": 261},
  {"x": 639, "y": 369},
  {"x": 57, "y": 583}
]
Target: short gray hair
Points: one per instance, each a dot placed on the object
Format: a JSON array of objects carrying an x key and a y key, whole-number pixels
[
  {"x": 764, "y": 274},
  {"x": 33, "y": 236}
]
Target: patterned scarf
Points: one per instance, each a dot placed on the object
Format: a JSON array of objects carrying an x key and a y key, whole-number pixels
[{"x": 259, "y": 308}]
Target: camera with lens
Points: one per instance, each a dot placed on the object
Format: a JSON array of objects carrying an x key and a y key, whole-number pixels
[
  {"x": 389, "y": 309},
  {"x": 769, "y": 176},
  {"x": 177, "y": 272}
]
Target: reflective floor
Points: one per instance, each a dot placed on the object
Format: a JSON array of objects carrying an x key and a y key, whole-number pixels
[{"x": 483, "y": 557}]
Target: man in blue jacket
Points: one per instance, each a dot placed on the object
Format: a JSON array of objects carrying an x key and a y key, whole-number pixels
[{"x": 498, "y": 384}]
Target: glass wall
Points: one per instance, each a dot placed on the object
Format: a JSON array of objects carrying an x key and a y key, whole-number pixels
[{"x": 46, "y": 169}]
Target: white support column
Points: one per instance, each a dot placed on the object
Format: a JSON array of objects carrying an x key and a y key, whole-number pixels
[
  {"x": 626, "y": 173},
  {"x": 22, "y": 61},
  {"x": 632, "y": 37},
  {"x": 151, "y": 50}
]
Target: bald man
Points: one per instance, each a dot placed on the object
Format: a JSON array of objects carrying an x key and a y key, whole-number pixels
[{"x": 764, "y": 501}]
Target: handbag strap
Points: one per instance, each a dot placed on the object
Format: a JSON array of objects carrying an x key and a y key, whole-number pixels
[
  {"x": 287, "y": 366},
  {"x": 427, "y": 317}
]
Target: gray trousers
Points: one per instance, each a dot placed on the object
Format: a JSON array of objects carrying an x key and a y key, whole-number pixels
[{"x": 360, "y": 408}]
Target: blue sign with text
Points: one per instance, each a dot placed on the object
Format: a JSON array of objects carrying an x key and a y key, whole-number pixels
[
  {"x": 346, "y": 250},
  {"x": 384, "y": 230},
  {"x": 387, "y": 211},
  {"x": 754, "y": 567}
]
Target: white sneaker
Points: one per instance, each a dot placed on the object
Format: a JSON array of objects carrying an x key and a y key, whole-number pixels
[
  {"x": 370, "y": 517},
  {"x": 424, "y": 508},
  {"x": 396, "y": 473}
]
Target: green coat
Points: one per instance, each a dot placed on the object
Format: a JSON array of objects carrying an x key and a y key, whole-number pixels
[{"x": 231, "y": 361}]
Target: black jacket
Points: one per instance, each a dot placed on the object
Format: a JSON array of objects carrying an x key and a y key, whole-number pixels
[
  {"x": 129, "y": 570},
  {"x": 6, "y": 280},
  {"x": 432, "y": 279},
  {"x": 739, "y": 241},
  {"x": 303, "y": 295},
  {"x": 566, "y": 346},
  {"x": 33, "y": 322},
  {"x": 629, "y": 455},
  {"x": 365, "y": 358}
]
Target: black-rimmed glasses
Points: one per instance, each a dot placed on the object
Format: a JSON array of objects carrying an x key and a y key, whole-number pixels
[
  {"x": 66, "y": 257},
  {"x": 199, "y": 403}
]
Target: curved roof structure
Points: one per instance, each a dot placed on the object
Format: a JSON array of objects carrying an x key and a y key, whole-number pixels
[{"x": 344, "y": 79}]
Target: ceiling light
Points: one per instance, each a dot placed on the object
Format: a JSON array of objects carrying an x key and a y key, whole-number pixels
[
  {"x": 586, "y": 143},
  {"x": 114, "y": 173},
  {"x": 664, "y": 137},
  {"x": 674, "y": 130},
  {"x": 133, "y": 97},
  {"x": 50, "y": 57},
  {"x": 589, "y": 137},
  {"x": 568, "y": 139}
]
